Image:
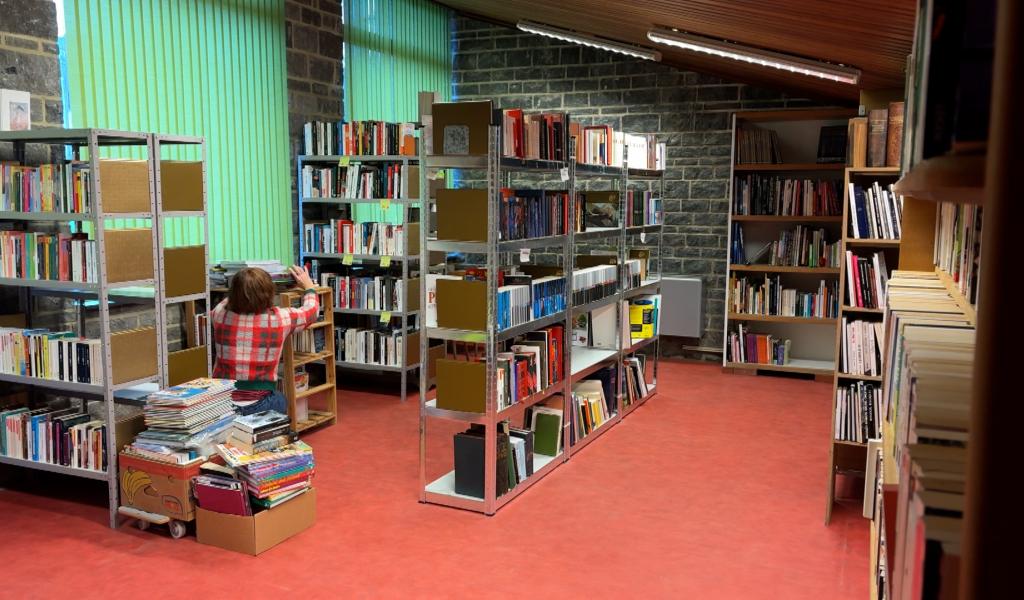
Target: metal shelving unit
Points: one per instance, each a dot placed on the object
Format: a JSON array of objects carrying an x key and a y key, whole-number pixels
[
  {"x": 92, "y": 141},
  {"x": 579, "y": 363},
  {"x": 409, "y": 319}
]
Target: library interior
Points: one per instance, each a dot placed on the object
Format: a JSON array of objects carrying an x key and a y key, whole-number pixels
[{"x": 324, "y": 286}]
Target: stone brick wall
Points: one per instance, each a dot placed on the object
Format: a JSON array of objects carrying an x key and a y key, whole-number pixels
[
  {"x": 313, "y": 39},
  {"x": 691, "y": 112}
]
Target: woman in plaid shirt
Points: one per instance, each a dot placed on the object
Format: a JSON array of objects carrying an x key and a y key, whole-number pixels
[{"x": 249, "y": 333}]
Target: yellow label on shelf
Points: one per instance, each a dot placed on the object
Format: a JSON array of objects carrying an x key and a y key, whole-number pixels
[
  {"x": 385, "y": 204},
  {"x": 344, "y": 161},
  {"x": 347, "y": 259},
  {"x": 385, "y": 261},
  {"x": 385, "y": 316}
]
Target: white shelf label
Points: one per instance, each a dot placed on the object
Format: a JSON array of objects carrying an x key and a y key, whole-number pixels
[
  {"x": 524, "y": 255},
  {"x": 565, "y": 173},
  {"x": 643, "y": 237}
]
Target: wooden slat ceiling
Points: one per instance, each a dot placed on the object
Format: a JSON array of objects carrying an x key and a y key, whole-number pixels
[{"x": 872, "y": 35}]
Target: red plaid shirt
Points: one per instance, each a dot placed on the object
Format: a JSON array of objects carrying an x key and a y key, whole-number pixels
[{"x": 249, "y": 346}]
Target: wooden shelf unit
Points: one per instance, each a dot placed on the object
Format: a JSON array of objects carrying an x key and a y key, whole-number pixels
[
  {"x": 325, "y": 394},
  {"x": 811, "y": 338},
  {"x": 845, "y": 456}
]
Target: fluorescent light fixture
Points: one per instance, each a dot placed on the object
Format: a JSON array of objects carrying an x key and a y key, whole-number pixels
[
  {"x": 756, "y": 56},
  {"x": 589, "y": 40}
]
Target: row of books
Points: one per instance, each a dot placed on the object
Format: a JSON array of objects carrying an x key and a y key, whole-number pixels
[
  {"x": 860, "y": 347},
  {"x": 858, "y": 412},
  {"x": 56, "y": 355},
  {"x": 369, "y": 346},
  {"x": 537, "y": 136},
  {"x": 866, "y": 280},
  {"x": 784, "y": 196},
  {"x": 516, "y": 450},
  {"x": 760, "y": 348},
  {"x": 591, "y": 284},
  {"x": 58, "y": 187},
  {"x": 958, "y": 246},
  {"x": 877, "y": 139},
  {"x": 48, "y": 256},
  {"x": 634, "y": 370},
  {"x": 875, "y": 212},
  {"x": 643, "y": 208},
  {"x": 591, "y": 408},
  {"x": 343, "y": 236},
  {"x": 768, "y": 297},
  {"x": 310, "y": 341},
  {"x": 757, "y": 145},
  {"x": 930, "y": 347},
  {"x": 358, "y": 180},
  {"x": 62, "y": 433},
  {"x": 602, "y": 145},
  {"x": 185, "y": 421},
  {"x": 523, "y": 299},
  {"x": 367, "y": 292},
  {"x": 526, "y": 214},
  {"x": 801, "y": 247},
  {"x": 531, "y": 364},
  {"x": 363, "y": 138}
]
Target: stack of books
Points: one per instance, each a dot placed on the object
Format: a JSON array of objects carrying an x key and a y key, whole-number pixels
[
  {"x": 958, "y": 246},
  {"x": 365, "y": 292},
  {"x": 591, "y": 284},
  {"x": 272, "y": 476},
  {"x": 866, "y": 280},
  {"x": 757, "y": 145},
  {"x": 765, "y": 349},
  {"x": 48, "y": 256},
  {"x": 642, "y": 208},
  {"x": 861, "y": 348},
  {"x": 858, "y": 407},
  {"x": 524, "y": 214},
  {"x": 260, "y": 432},
  {"x": 875, "y": 212},
  {"x": 57, "y": 355},
  {"x": 749, "y": 296},
  {"x": 590, "y": 409},
  {"x": 59, "y": 433},
  {"x": 531, "y": 364},
  {"x": 344, "y": 236},
  {"x": 60, "y": 187},
  {"x": 536, "y": 137},
  {"x": 780, "y": 196},
  {"x": 634, "y": 369},
  {"x": 185, "y": 421},
  {"x": 358, "y": 180},
  {"x": 277, "y": 271},
  {"x": 369, "y": 346}
]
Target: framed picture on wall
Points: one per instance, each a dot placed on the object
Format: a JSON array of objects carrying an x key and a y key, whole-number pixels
[{"x": 15, "y": 110}]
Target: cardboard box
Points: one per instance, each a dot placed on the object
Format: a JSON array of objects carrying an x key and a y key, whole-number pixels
[
  {"x": 185, "y": 270},
  {"x": 474, "y": 116},
  {"x": 129, "y": 254},
  {"x": 412, "y": 350},
  {"x": 124, "y": 186},
  {"x": 157, "y": 487},
  {"x": 434, "y": 354},
  {"x": 181, "y": 185},
  {"x": 186, "y": 365},
  {"x": 262, "y": 531},
  {"x": 462, "y": 304},
  {"x": 461, "y": 385},
  {"x": 412, "y": 294},
  {"x": 412, "y": 231},
  {"x": 462, "y": 215},
  {"x": 133, "y": 354}
]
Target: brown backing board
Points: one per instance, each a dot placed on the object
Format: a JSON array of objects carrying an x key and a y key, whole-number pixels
[
  {"x": 186, "y": 365},
  {"x": 475, "y": 115},
  {"x": 462, "y": 215},
  {"x": 185, "y": 270},
  {"x": 124, "y": 186},
  {"x": 181, "y": 185},
  {"x": 129, "y": 254},
  {"x": 462, "y": 304},
  {"x": 133, "y": 354},
  {"x": 461, "y": 385}
]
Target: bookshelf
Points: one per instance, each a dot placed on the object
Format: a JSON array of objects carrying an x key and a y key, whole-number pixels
[
  {"x": 796, "y": 134},
  {"x": 848, "y": 457},
  {"x": 492, "y": 172},
  {"x": 402, "y": 265},
  {"x": 317, "y": 404},
  {"x": 127, "y": 258}
]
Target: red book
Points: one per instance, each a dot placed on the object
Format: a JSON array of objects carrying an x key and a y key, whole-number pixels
[{"x": 855, "y": 271}]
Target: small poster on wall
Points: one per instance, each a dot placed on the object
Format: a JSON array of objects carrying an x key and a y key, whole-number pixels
[{"x": 15, "y": 110}]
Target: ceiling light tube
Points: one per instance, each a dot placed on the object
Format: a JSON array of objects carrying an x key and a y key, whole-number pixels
[
  {"x": 589, "y": 40},
  {"x": 756, "y": 56}
]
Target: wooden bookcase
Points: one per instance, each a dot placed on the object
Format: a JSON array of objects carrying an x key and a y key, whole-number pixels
[
  {"x": 813, "y": 339},
  {"x": 325, "y": 393},
  {"x": 848, "y": 456}
]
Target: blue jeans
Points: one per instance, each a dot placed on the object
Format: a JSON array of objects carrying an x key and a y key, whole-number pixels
[{"x": 274, "y": 400}]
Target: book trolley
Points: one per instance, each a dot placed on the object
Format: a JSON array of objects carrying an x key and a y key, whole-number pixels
[
  {"x": 399, "y": 264},
  {"x": 132, "y": 266},
  {"x": 578, "y": 362}
]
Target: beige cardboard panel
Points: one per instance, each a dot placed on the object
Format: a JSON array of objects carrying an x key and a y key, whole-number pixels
[
  {"x": 185, "y": 270},
  {"x": 129, "y": 254},
  {"x": 133, "y": 354},
  {"x": 461, "y": 385},
  {"x": 474, "y": 115},
  {"x": 462, "y": 304},
  {"x": 462, "y": 215},
  {"x": 124, "y": 186},
  {"x": 181, "y": 185},
  {"x": 186, "y": 365}
]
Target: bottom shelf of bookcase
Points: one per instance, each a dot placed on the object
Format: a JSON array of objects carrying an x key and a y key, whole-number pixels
[
  {"x": 316, "y": 418},
  {"x": 795, "y": 365},
  {"x": 628, "y": 408},
  {"x": 41, "y": 466},
  {"x": 442, "y": 490},
  {"x": 593, "y": 435}
]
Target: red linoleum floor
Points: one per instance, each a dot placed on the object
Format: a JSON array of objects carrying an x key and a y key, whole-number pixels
[{"x": 713, "y": 489}]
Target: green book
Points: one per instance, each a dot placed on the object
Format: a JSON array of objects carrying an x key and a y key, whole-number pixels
[{"x": 547, "y": 431}]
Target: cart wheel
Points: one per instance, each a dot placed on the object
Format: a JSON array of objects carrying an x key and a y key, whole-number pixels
[
  {"x": 142, "y": 525},
  {"x": 178, "y": 529}
]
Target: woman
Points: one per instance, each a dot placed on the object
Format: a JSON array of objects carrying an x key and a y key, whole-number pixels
[{"x": 249, "y": 333}]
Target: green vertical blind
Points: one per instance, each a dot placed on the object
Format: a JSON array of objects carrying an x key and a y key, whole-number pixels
[
  {"x": 394, "y": 49},
  {"x": 213, "y": 68}
]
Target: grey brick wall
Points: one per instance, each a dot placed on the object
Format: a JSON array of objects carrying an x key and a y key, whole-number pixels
[{"x": 691, "y": 112}]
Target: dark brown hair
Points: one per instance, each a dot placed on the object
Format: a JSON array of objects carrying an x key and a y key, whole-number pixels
[{"x": 252, "y": 292}]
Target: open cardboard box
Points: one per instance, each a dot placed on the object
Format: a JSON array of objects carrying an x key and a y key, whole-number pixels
[{"x": 259, "y": 532}]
